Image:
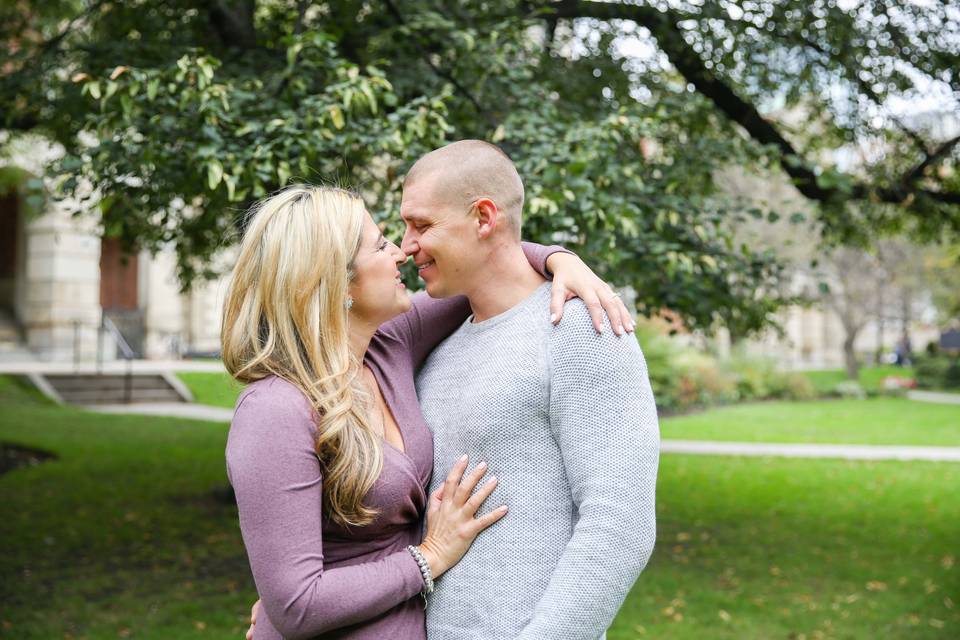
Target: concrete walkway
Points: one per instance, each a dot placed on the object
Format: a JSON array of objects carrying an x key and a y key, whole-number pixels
[
  {"x": 694, "y": 447},
  {"x": 171, "y": 409},
  {"x": 941, "y": 397},
  {"x": 844, "y": 451},
  {"x": 113, "y": 366}
]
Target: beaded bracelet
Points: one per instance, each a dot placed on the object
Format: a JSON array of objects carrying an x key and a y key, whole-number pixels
[{"x": 424, "y": 569}]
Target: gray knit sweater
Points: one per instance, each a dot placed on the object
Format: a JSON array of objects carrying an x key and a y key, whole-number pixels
[{"x": 566, "y": 420}]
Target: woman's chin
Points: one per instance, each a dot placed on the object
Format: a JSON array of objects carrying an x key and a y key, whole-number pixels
[
  {"x": 404, "y": 298},
  {"x": 403, "y": 302}
]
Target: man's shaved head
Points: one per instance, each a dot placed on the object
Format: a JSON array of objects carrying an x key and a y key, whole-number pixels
[{"x": 462, "y": 172}]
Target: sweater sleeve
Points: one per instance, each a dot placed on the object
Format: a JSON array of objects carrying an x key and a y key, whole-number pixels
[
  {"x": 276, "y": 477},
  {"x": 431, "y": 320},
  {"x": 604, "y": 419}
]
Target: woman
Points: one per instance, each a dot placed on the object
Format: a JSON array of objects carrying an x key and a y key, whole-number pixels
[{"x": 328, "y": 452}]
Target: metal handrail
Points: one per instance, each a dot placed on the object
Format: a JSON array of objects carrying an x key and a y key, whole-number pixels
[
  {"x": 107, "y": 325},
  {"x": 118, "y": 338}
]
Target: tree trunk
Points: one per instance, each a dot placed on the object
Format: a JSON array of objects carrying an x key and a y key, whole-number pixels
[
  {"x": 906, "y": 311},
  {"x": 881, "y": 324},
  {"x": 850, "y": 357},
  {"x": 233, "y": 22}
]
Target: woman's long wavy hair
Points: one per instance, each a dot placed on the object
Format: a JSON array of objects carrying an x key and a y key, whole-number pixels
[{"x": 285, "y": 314}]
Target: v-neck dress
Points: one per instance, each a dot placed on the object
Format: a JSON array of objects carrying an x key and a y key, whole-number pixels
[{"x": 317, "y": 579}]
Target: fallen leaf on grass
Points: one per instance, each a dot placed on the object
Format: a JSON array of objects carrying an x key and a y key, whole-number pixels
[
  {"x": 947, "y": 562},
  {"x": 948, "y": 603},
  {"x": 200, "y": 625},
  {"x": 936, "y": 624},
  {"x": 876, "y": 585},
  {"x": 724, "y": 616}
]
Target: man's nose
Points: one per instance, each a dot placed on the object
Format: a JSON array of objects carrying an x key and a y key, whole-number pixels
[{"x": 409, "y": 244}]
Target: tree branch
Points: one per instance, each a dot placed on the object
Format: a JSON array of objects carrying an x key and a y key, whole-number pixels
[
  {"x": 233, "y": 22},
  {"x": 864, "y": 86},
  {"x": 425, "y": 54},
  {"x": 932, "y": 158},
  {"x": 669, "y": 37},
  {"x": 301, "y": 13}
]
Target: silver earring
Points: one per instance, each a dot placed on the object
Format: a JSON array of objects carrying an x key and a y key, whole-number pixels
[{"x": 348, "y": 303}]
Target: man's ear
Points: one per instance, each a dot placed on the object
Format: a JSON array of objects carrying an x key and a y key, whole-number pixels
[{"x": 488, "y": 216}]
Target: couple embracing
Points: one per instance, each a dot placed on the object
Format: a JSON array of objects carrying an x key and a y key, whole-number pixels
[{"x": 454, "y": 465}]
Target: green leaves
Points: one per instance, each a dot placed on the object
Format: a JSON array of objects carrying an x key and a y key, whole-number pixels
[
  {"x": 214, "y": 174},
  {"x": 181, "y": 121},
  {"x": 192, "y": 141}
]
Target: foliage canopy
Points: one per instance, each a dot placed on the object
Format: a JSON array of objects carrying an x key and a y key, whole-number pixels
[{"x": 176, "y": 114}]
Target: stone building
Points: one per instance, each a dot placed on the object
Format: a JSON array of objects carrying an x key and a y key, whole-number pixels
[{"x": 59, "y": 280}]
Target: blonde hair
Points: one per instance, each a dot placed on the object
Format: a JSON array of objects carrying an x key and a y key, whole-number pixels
[{"x": 285, "y": 314}]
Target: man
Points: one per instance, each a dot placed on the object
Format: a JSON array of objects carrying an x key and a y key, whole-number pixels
[{"x": 563, "y": 415}]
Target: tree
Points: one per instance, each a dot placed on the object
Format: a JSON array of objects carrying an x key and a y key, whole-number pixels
[
  {"x": 852, "y": 277},
  {"x": 194, "y": 108},
  {"x": 942, "y": 273}
]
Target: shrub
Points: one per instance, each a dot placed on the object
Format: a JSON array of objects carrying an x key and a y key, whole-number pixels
[
  {"x": 799, "y": 387},
  {"x": 938, "y": 372},
  {"x": 760, "y": 378},
  {"x": 683, "y": 377},
  {"x": 850, "y": 389}
]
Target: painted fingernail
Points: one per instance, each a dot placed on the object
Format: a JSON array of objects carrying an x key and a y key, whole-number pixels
[
  {"x": 553, "y": 318},
  {"x": 463, "y": 458},
  {"x": 619, "y": 329},
  {"x": 482, "y": 465},
  {"x": 503, "y": 508}
]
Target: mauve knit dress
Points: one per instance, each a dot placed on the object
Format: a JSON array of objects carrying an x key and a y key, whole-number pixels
[{"x": 317, "y": 579}]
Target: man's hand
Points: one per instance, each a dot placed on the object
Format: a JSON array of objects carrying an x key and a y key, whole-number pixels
[
  {"x": 574, "y": 279},
  {"x": 253, "y": 619}
]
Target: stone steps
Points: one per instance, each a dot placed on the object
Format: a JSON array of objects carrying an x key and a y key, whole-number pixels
[{"x": 89, "y": 389}]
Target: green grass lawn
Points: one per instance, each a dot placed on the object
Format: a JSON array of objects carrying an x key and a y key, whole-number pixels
[
  {"x": 871, "y": 378},
  {"x": 217, "y": 389},
  {"x": 872, "y": 421},
  {"x": 125, "y": 536},
  {"x": 773, "y": 548}
]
